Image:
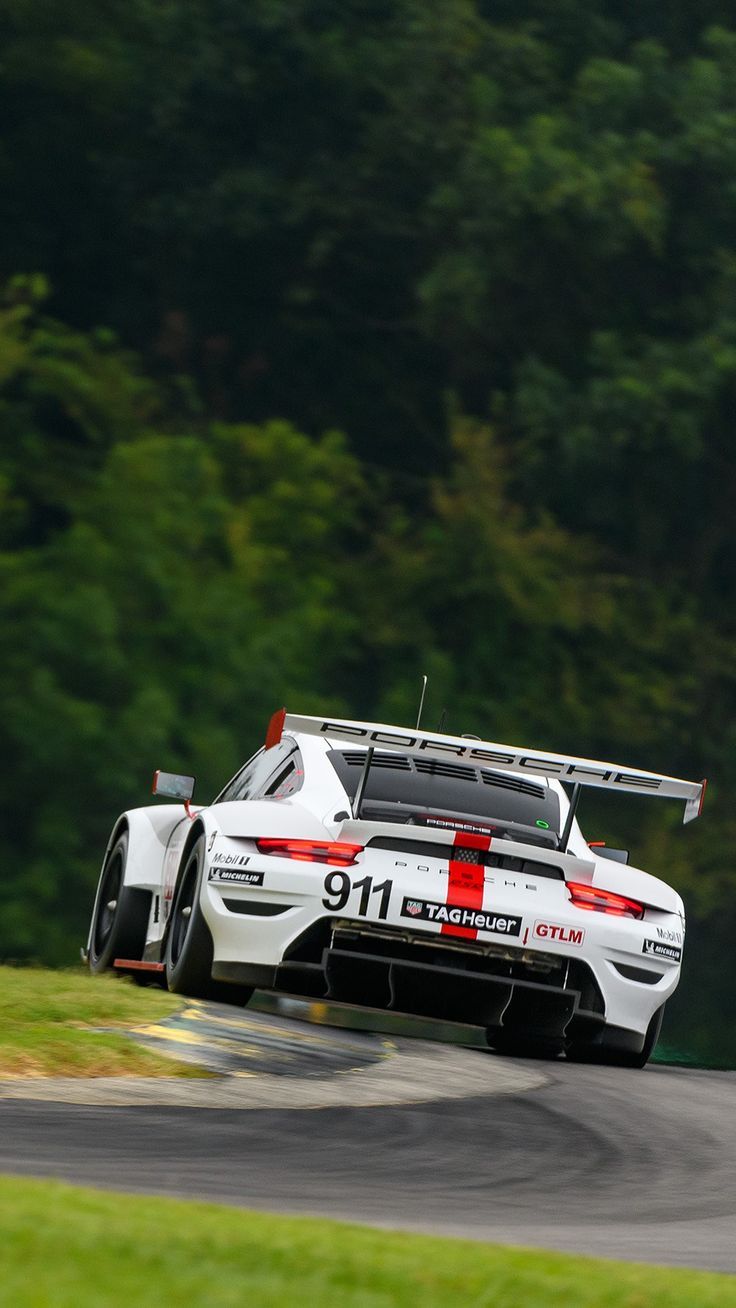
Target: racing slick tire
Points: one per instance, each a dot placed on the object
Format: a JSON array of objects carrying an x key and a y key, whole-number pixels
[
  {"x": 120, "y": 921},
  {"x": 580, "y": 1052},
  {"x": 189, "y": 951}
]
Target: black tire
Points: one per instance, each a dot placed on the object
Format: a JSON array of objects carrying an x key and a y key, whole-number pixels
[
  {"x": 189, "y": 951},
  {"x": 599, "y": 1053},
  {"x": 120, "y": 920}
]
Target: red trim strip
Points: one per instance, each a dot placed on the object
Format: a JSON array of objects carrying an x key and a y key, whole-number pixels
[
  {"x": 275, "y": 728},
  {"x": 465, "y": 885},
  {"x": 137, "y": 965}
]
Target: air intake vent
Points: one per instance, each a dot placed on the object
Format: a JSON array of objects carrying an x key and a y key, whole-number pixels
[
  {"x": 356, "y": 759},
  {"x": 434, "y": 767},
  {"x": 639, "y": 974},
  {"x": 513, "y": 783},
  {"x": 255, "y": 907}
]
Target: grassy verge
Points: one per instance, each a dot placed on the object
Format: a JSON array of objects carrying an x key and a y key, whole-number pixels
[
  {"x": 47, "y": 1022},
  {"x": 65, "y": 1247}
]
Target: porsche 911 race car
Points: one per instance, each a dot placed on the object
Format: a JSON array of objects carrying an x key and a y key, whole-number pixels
[{"x": 400, "y": 869}]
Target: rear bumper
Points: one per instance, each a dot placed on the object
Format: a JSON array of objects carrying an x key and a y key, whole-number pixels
[
  {"x": 278, "y": 937},
  {"x": 425, "y": 978}
]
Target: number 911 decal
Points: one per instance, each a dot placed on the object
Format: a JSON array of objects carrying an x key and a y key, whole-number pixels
[{"x": 339, "y": 887}]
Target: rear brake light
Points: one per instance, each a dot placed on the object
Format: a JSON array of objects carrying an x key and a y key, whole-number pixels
[
  {"x": 603, "y": 901},
  {"x": 335, "y": 852}
]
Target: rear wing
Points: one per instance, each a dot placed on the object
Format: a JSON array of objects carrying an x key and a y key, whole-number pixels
[{"x": 482, "y": 753}]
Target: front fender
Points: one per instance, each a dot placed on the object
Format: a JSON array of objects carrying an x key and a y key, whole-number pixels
[{"x": 150, "y": 832}]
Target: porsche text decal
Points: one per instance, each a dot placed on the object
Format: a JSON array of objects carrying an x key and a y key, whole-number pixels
[{"x": 565, "y": 769}]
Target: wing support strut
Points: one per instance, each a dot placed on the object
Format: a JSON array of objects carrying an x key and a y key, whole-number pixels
[
  {"x": 362, "y": 783},
  {"x": 574, "y": 801}
]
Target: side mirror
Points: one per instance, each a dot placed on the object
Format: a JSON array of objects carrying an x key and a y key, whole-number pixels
[
  {"x": 172, "y": 786},
  {"x": 615, "y": 855}
]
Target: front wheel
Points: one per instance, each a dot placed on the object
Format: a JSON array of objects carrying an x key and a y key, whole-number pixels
[
  {"x": 120, "y": 919},
  {"x": 189, "y": 950}
]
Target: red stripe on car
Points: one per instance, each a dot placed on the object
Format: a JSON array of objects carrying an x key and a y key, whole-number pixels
[{"x": 465, "y": 885}]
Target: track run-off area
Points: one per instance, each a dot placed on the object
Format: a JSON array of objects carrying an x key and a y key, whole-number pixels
[{"x": 307, "y": 1114}]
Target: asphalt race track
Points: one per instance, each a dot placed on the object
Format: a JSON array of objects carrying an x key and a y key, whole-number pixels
[{"x": 624, "y": 1164}]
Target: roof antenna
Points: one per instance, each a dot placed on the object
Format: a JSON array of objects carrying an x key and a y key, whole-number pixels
[
  {"x": 441, "y": 723},
  {"x": 421, "y": 701}
]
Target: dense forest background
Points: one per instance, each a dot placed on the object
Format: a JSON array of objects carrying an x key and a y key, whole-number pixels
[{"x": 345, "y": 341}]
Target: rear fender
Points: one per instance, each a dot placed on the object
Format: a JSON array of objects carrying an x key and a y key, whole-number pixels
[
  {"x": 239, "y": 819},
  {"x": 623, "y": 879},
  {"x": 266, "y": 817}
]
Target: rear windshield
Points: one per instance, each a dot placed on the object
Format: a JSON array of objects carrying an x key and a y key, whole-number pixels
[{"x": 433, "y": 786}]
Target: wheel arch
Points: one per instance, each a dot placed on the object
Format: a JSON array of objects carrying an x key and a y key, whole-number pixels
[
  {"x": 149, "y": 831},
  {"x": 198, "y": 828},
  {"x": 120, "y": 826},
  {"x": 149, "y": 834}
]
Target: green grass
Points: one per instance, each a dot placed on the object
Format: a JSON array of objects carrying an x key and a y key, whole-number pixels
[
  {"x": 64, "y": 1247},
  {"x": 674, "y": 1056},
  {"x": 46, "y": 1019}
]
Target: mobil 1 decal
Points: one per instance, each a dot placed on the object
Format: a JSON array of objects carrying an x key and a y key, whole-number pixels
[
  {"x": 463, "y": 914},
  {"x": 233, "y": 868}
]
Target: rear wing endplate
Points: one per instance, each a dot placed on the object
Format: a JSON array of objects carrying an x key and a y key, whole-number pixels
[{"x": 508, "y": 758}]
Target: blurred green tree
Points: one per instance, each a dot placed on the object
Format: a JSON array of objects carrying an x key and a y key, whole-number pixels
[{"x": 161, "y": 592}]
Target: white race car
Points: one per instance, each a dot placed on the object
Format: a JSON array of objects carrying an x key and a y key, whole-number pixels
[{"x": 401, "y": 869}]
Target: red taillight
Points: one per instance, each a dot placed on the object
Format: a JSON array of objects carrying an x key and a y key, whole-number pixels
[
  {"x": 335, "y": 852},
  {"x": 603, "y": 901}
]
